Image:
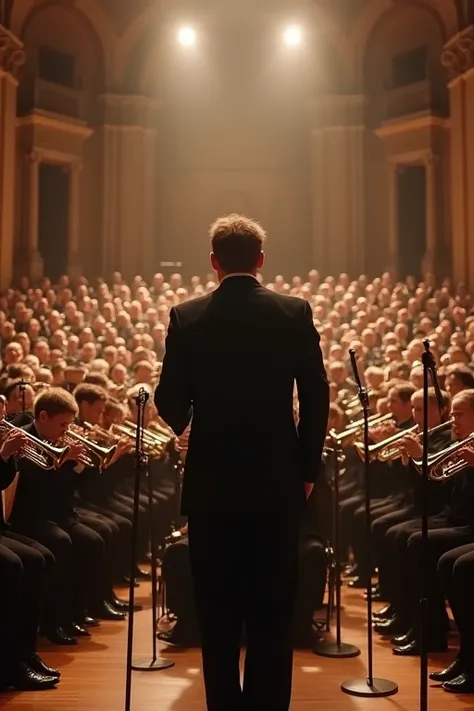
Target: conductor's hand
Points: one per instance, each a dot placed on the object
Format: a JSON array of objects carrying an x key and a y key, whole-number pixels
[
  {"x": 308, "y": 488},
  {"x": 13, "y": 444}
]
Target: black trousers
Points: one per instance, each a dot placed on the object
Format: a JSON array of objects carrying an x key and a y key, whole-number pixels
[
  {"x": 122, "y": 530},
  {"x": 408, "y": 555},
  {"x": 79, "y": 555},
  {"x": 312, "y": 574},
  {"x": 101, "y": 588},
  {"x": 24, "y": 568},
  {"x": 253, "y": 586},
  {"x": 381, "y": 524},
  {"x": 456, "y": 573}
]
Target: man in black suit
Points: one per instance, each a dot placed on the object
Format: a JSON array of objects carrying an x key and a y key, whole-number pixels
[{"x": 232, "y": 359}]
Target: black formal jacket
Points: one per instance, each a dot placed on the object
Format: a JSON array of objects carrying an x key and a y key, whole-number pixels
[
  {"x": 43, "y": 495},
  {"x": 231, "y": 362},
  {"x": 7, "y": 475}
]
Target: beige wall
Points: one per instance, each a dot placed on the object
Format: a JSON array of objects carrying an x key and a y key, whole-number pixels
[{"x": 158, "y": 168}]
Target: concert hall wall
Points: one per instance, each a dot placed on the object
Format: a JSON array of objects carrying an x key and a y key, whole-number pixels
[{"x": 156, "y": 142}]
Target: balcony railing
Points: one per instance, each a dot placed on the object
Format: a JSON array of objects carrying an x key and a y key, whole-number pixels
[
  {"x": 53, "y": 98},
  {"x": 407, "y": 100}
]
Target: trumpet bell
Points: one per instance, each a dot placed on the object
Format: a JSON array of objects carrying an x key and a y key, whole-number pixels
[{"x": 43, "y": 454}]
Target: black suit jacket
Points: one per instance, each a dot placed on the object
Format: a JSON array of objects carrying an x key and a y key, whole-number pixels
[
  {"x": 43, "y": 495},
  {"x": 7, "y": 476},
  {"x": 231, "y": 362}
]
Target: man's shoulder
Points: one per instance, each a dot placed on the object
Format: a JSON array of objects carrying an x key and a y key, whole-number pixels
[{"x": 192, "y": 308}]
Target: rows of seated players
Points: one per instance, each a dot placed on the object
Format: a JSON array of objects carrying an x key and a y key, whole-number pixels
[
  {"x": 66, "y": 533},
  {"x": 396, "y": 506}
]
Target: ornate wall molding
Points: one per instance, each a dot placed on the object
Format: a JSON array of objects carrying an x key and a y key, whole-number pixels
[
  {"x": 458, "y": 54},
  {"x": 12, "y": 56}
]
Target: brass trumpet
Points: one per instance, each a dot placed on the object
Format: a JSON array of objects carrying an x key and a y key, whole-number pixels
[
  {"x": 94, "y": 455},
  {"x": 353, "y": 431},
  {"x": 390, "y": 449},
  {"x": 153, "y": 447},
  {"x": 446, "y": 464},
  {"x": 44, "y": 455}
]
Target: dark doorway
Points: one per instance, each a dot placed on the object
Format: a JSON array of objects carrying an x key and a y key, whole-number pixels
[
  {"x": 53, "y": 219},
  {"x": 411, "y": 220}
]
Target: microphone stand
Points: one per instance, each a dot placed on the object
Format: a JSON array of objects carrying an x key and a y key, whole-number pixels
[
  {"x": 429, "y": 368},
  {"x": 22, "y": 386},
  {"x": 369, "y": 686},
  {"x": 337, "y": 648},
  {"x": 141, "y": 466}
]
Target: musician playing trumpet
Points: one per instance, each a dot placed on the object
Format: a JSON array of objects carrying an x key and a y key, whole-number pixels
[
  {"x": 410, "y": 446},
  {"x": 24, "y": 568},
  {"x": 453, "y": 527},
  {"x": 44, "y": 510}
]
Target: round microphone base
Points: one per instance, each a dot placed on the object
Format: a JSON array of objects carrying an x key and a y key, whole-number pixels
[
  {"x": 363, "y": 688},
  {"x": 148, "y": 665},
  {"x": 333, "y": 649}
]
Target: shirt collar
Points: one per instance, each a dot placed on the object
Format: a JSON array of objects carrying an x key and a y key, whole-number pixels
[{"x": 239, "y": 274}]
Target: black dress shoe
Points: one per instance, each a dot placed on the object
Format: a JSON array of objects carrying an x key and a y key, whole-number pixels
[
  {"x": 391, "y": 627},
  {"x": 375, "y": 597},
  {"x": 105, "y": 611},
  {"x": 123, "y": 605},
  {"x": 412, "y": 649},
  {"x": 452, "y": 672},
  {"x": 90, "y": 622},
  {"x": 403, "y": 639},
  {"x": 177, "y": 638},
  {"x": 463, "y": 684},
  {"x": 59, "y": 635},
  {"x": 37, "y": 664},
  {"x": 76, "y": 630},
  {"x": 23, "y": 678},
  {"x": 386, "y": 613}
]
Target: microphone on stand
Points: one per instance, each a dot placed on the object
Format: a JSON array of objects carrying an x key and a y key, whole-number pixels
[{"x": 367, "y": 686}]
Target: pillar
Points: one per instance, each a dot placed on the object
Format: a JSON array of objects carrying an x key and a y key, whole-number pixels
[
  {"x": 31, "y": 259},
  {"x": 429, "y": 260},
  {"x": 392, "y": 215},
  {"x": 337, "y": 167},
  {"x": 129, "y": 211},
  {"x": 458, "y": 58},
  {"x": 12, "y": 58},
  {"x": 74, "y": 265}
]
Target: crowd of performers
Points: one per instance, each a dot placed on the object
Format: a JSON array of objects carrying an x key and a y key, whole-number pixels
[{"x": 74, "y": 358}]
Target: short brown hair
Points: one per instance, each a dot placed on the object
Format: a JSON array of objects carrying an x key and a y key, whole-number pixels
[
  {"x": 237, "y": 243},
  {"x": 55, "y": 401},
  {"x": 87, "y": 392},
  {"x": 405, "y": 391}
]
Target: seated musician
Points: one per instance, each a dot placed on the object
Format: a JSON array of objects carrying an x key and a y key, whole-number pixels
[
  {"x": 410, "y": 446},
  {"x": 456, "y": 573},
  {"x": 453, "y": 527},
  {"x": 389, "y": 484},
  {"x": 24, "y": 567},
  {"x": 44, "y": 510}
]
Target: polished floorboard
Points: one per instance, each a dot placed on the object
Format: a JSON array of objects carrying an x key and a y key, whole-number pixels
[{"x": 94, "y": 674}]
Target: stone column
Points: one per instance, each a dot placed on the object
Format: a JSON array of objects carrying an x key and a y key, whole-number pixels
[
  {"x": 74, "y": 265},
  {"x": 429, "y": 259},
  {"x": 32, "y": 259},
  {"x": 129, "y": 139},
  {"x": 393, "y": 170},
  {"x": 337, "y": 146},
  {"x": 12, "y": 58},
  {"x": 458, "y": 58}
]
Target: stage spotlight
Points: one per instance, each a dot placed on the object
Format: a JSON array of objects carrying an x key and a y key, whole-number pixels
[
  {"x": 187, "y": 36},
  {"x": 293, "y": 36}
]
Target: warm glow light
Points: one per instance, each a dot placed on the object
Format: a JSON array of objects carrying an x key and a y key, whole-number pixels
[
  {"x": 187, "y": 36},
  {"x": 293, "y": 36}
]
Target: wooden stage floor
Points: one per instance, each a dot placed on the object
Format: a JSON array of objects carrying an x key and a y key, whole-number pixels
[{"x": 94, "y": 674}]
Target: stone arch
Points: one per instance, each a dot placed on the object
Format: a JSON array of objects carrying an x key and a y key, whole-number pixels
[
  {"x": 379, "y": 11},
  {"x": 129, "y": 42},
  {"x": 64, "y": 28},
  {"x": 402, "y": 29}
]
